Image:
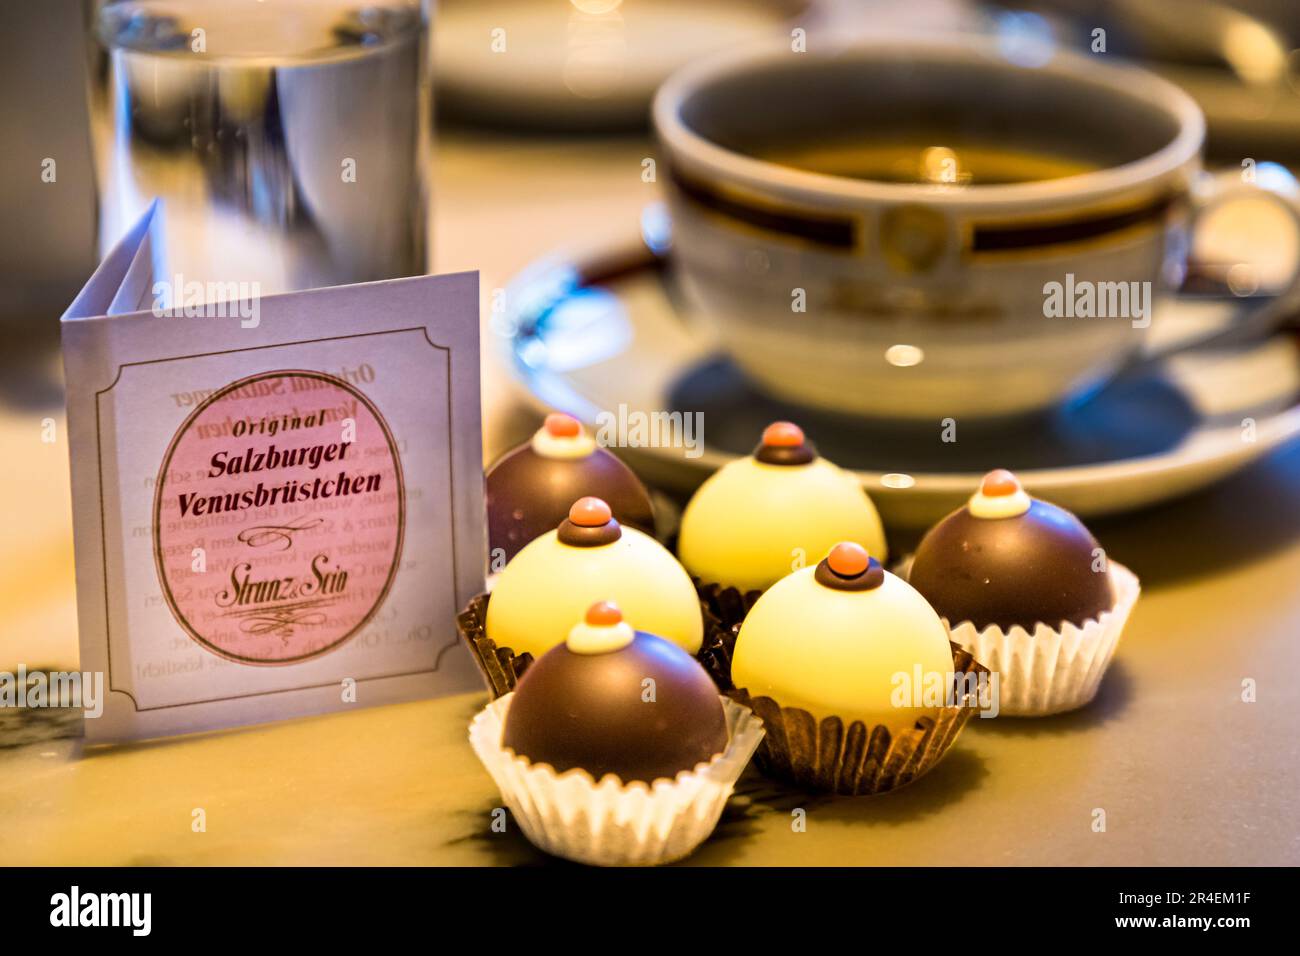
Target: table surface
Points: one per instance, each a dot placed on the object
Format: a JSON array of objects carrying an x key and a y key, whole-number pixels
[{"x": 1184, "y": 769}]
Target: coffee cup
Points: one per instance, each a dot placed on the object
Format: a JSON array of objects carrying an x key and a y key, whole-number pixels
[{"x": 922, "y": 229}]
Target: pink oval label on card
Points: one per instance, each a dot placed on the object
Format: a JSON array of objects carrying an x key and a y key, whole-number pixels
[{"x": 279, "y": 514}]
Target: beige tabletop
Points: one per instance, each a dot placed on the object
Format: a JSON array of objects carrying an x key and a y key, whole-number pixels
[{"x": 1185, "y": 770}]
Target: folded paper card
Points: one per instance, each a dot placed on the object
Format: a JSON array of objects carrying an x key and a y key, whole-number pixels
[{"x": 278, "y": 502}]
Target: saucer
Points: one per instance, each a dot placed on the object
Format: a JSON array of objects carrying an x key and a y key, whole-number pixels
[{"x": 602, "y": 333}]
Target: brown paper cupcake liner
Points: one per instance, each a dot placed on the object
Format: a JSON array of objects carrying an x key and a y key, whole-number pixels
[
  {"x": 500, "y": 666},
  {"x": 724, "y": 609},
  {"x": 856, "y": 760}
]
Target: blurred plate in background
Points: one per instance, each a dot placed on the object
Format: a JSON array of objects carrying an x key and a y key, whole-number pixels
[
  {"x": 1237, "y": 59},
  {"x": 584, "y": 64}
]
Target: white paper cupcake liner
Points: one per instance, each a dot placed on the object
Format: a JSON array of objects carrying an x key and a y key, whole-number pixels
[
  {"x": 610, "y": 823},
  {"x": 1046, "y": 671}
]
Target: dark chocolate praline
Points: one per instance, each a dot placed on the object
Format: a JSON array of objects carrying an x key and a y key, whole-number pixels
[
  {"x": 591, "y": 711},
  {"x": 529, "y": 494},
  {"x": 1026, "y": 569}
]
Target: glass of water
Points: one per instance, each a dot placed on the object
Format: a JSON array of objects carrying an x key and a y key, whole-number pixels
[{"x": 288, "y": 139}]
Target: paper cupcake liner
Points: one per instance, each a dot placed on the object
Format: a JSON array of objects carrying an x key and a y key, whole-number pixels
[
  {"x": 500, "y": 666},
  {"x": 1048, "y": 671},
  {"x": 857, "y": 760},
  {"x": 724, "y": 608},
  {"x": 610, "y": 823}
]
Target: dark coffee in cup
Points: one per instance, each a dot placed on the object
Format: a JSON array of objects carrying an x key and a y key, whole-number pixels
[{"x": 935, "y": 158}]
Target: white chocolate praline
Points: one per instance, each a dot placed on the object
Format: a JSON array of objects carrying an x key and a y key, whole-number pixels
[
  {"x": 587, "y": 638},
  {"x": 563, "y": 446},
  {"x": 848, "y": 654},
  {"x": 999, "y": 506},
  {"x": 751, "y": 523},
  {"x": 549, "y": 585}
]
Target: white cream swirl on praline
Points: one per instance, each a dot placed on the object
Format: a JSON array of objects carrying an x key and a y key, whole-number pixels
[
  {"x": 599, "y": 638},
  {"x": 999, "y": 506},
  {"x": 551, "y": 446}
]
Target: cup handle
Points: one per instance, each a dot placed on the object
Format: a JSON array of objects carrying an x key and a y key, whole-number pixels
[{"x": 1260, "y": 315}]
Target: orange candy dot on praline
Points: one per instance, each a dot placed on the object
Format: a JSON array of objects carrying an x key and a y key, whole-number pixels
[
  {"x": 783, "y": 435},
  {"x": 848, "y": 559},
  {"x": 604, "y": 614},
  {"x": 999, "y": 483},
  {"x": 590, "y": 512},
  {"x": 561, "y": 425}
]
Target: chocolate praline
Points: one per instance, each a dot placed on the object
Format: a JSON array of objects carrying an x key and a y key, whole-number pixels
[
  {"x": 594, "y": 711},
  {"x": 529, "y": 493},
  {"x": 1025, "y": 569},
  {"x": 590, "y": 557},
  {"x": 833, "y": 639}
]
